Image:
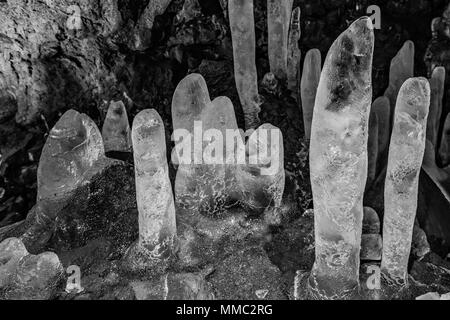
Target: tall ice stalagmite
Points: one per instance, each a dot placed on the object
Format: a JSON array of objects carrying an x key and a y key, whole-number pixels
[
  {"x": 157, "y": 226},
  {"x": 312, "y": 67},
  {"x": 116, "y": 129},
  {"x": 294, "y": 53},
  {"x": 242, "y": 25},
  {"x": 405, "y": 160},
  {"x": 338, "y": 161}
]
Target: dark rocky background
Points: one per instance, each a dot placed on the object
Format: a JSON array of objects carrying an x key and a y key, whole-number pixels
[{"x": 138, "y": 51}]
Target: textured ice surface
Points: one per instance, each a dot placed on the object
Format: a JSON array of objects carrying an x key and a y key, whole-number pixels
[
  {"x": 402, "y": 68},
  {"x": 116, "y": 129},
  {"x": 312, "y": 68},
  {"x": 437, "y": 83},
  {"x": 338, "y": 161},
  {"x": 444, "y": 149},
  {"x": 72, "y": 147},
  {"x": 278, "y": 21},
  {"x": 294, "y": 54},
  {"x": 405, "y": 160},
  {"x": 381, "y": 107},
  {"x": 157, "y": 226},
  {"x": 242, "y": 27}
]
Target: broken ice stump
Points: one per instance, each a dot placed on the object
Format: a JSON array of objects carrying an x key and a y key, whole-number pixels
[
  {"x": 294, "y": 54},
  {"x": 338, "y": 161},
  {"x": 312, "y": 68},
  {"x": 116, "y": 129},
  {"x": 157, "y": 225},
  {"x": 401, "y": 69},
  {"x": 405, "y": 160},
  {"x": 243, "y": 37}
]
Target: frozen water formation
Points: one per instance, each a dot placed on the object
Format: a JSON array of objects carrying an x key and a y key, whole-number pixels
[
  {"x": 338, "y": 161},
  {"x": 401, "y": 187},
  {"x": 402, "y": 68},
  {"x": 278, "y": 21},
  {"x": 157, "y": 225},
  {"x": 201, "y": 187},
  {"x": 116, "y": 129},
  {"x": 210, "y": 186},
  {"x": 294, "y": 53},
  {"x": 72, "y": 147},
  {"x": 312, "y": 67},
  {"x": 242, "y": 27}
]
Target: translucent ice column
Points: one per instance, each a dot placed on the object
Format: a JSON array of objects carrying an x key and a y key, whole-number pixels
[
  {"x": 157, "y": 227},
  {"x": 444, "y": 149},
  {"x": 437, "y": 83},
  {"x": 382, "y": 108},
  {"x": 405, "y": 160},
  {"x": 294, "y": 54},
  {"x": 338, "y": 161},
  {"x": 116, "y": 129},
  {"x": 402, "y": 68},
  {"x": 312, "y": 66},
  {"x": 243, "y": 37},
  {"x": 278, "y": 21}
]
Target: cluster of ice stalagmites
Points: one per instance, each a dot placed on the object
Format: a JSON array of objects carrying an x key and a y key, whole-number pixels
[
  {"x": 215, "y": 168},
  {"x": 338, "y": 161},
  {"x": 405, "y": 159}
]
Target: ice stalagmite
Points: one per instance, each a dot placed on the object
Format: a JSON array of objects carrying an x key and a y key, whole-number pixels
[
  {"x": 278, "y": 21},
  {"x": 294, "y": 54},
  {"x": 157, "y": 226},
  {"x": 243, "y": 37},
  {"x": 203, "y": 180},
  {"x": 262, "y": 179},
  {"x": 116, "y": 129},
  {"x": 444, "y": 149},
  {"x": 338, "y": 161},
  {"x": 312, "y": 67},
  {"x": 381, "y": 107},
  {"x": 372, "y": 148},
  {"x": 437, "y": 83},
  {"x": 406, "y": 153},
  {"x": 72, "y": 147},
  {"x": 402, "y": 68}
]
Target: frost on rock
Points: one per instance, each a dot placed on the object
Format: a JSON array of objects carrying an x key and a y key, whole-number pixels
[
  {"x": 294, "y": 53},
  {"x": 401, "y": 187},
  {"x": 116, "y": 129},
  {"x": 156, "y": 207},
  {"x": 243, "y": 38},
  {"x": 312, "y": 68},
  {"x": 402, "y": 68},
  {"x": 338, "y": 161},
  {"x": 278, "y": 21}
]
